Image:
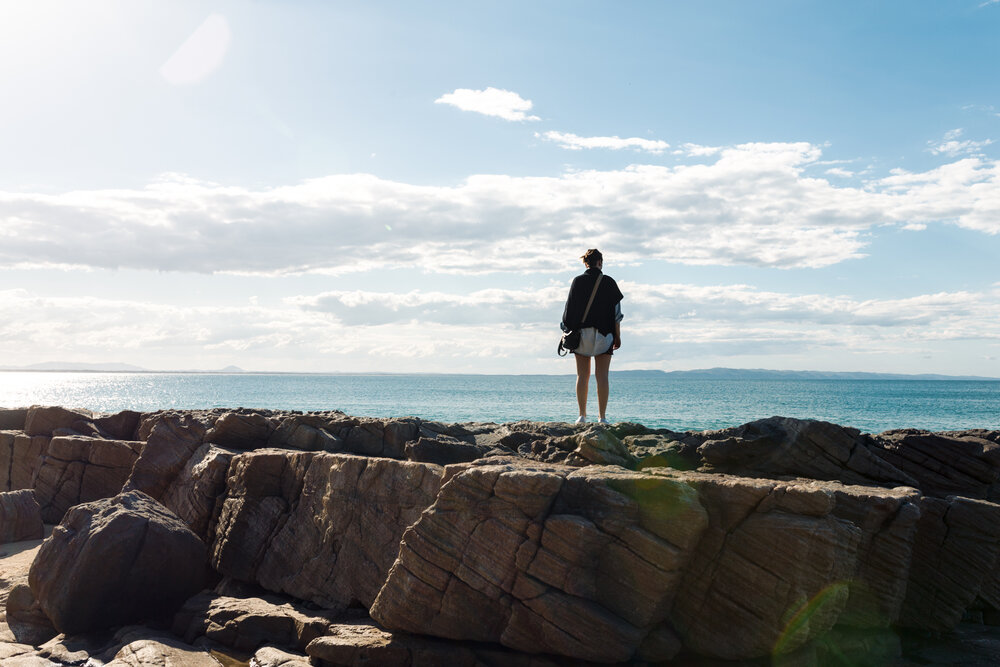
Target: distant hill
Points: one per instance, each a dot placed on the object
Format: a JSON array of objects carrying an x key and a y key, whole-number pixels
[{"x": 766, "y": 374}]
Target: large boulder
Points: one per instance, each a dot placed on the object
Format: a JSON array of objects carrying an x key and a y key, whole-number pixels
[
  {"x": 546, "y": 558},
  {"x": 173, "y": 439},
  {"x": 114, "y": 561},
  {"x": 12, "y": 419},
  {"x": 20, "y": 517},
  {"x": 317, "y": 526},
  {"x": 241, "y": 430},
  {"x": 78, "y": 469},
  {"x": 195, "y": 493}
]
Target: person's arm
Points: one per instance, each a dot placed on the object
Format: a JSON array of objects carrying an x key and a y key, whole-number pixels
[{"x": 618, "y": 326}]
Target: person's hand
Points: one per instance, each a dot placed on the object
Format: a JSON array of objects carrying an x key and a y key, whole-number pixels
[{"x": 618, "y": 343}]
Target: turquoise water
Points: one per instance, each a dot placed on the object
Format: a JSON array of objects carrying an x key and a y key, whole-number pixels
[{"x": 678, "y": 404}]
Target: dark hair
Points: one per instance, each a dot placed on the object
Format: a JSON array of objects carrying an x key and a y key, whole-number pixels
[{"x": 592, "y": 257}]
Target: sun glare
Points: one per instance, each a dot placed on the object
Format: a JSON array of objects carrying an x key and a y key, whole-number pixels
[{"x": 200, "y": 54}]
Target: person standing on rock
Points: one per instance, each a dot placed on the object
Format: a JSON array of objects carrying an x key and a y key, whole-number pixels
[{"x": 599, "y": 326}]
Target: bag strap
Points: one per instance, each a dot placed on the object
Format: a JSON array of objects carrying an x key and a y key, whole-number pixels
[{"x": 591, "y": 301}]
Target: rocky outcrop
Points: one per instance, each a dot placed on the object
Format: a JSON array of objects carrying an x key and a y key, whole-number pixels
[
  {"x": 114, "y": 561},
  {"x": 20, "y": 517},
  {"x": 545, "y": 558},
  {"x": 317, "y": 526},
  {"x": 522, "y": 543},
  {"x": 78, "y": 469}
]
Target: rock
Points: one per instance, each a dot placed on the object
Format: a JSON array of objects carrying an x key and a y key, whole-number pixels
[
  {"x": 662, "y": 451},
  {"x": 119, "y": 426},
  {"x": 954, "y": 555},
  {"x": 196, "y": 492},
  {"x": 799, "y": 448},
  {"x": 44, "y": 420},
  {"x": 544, "y": 558},
  {"x": 269, "y": 656},
  {"x": 362, "y": 642},
  {"x": 317, "y": 526},
  {"x": 944, "y": 464},
  {"x": 20, "y": 517},
  {"x": 19, "y": 459},
  {"x": 114, "y": 561},
  {"x": 246, "y": 624},
  {"x": 310, "y": 433},
  {"x": 442, "y": 450},
  {"x": 13, "y": 419},
  {"x": 25, "y": 617},
  {"x": 172, "y": 441},
  {"x": 600, "y": 446},
  {"x": 162, "y": 651},
  {"x": 240, "y": 431},
  {"x": 77, "y": 469},
  {"x": 376, "y": 437}
]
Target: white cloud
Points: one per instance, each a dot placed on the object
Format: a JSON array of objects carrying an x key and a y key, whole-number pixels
[
  {"x": 574, "y": 142},
  {"x": 951, "y": 146},
  {"x": 753, "y": 204},
  {"x": 839, "y": 171},
  {"x": 490, "y": 102}
]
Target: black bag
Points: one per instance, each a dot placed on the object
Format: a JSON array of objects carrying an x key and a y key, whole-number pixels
[{"x": 570, "y": 341}]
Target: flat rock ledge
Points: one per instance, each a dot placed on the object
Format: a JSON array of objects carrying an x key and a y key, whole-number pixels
[{"x": 327, "y": 539}]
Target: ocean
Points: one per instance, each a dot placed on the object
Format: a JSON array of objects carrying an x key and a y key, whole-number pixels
[{"x": 654, "y": 400}]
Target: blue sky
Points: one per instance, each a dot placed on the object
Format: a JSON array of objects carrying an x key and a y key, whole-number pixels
[{"x": 398, "y": 186}]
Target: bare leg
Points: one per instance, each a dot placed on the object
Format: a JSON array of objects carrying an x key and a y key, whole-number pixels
[
  {"x": 582, "y": 380},
  {"x": 602, "y": 363}
]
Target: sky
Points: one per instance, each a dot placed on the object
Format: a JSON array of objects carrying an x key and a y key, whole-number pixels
[{"x": 408, "y": 187}]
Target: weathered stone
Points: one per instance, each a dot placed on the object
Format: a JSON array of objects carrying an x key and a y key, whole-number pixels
[
  {"x": 944, "y": 464},
  {"x": 13, "y": 419},
  {"x": 114, "y": 561},
  {"x": 25, "y": 617},
  {"x": 375, "y": 437},
  {"x": 119, "y": 426},
  {"x": 442, "y": 450},
  {"x": 246, "y": 624},
  {"x": 544, "y": 558},
  {"x": 77, "y": 469},
  {"x": 320, "y": 527},
  {"x": 269, "y": 656},
  {"x": 240, "y": 431},
  {"x": 162, "y": 652},
  {"x": 955, "y": 552},
  {"x": 43, "y": 420},
  {"x": 172, "y": 441},
  {"x": 310, "y": 433},
  {"x": 748, "y": 593},
  {"x": 798, "y": 448},
  {"x": 20, "y": 517},
  {"x": 196, "y": 492},
  {"x": 19, "y": 460},
  {"x": 662, "y": 451},
  {"x": 600, "y": 446}
]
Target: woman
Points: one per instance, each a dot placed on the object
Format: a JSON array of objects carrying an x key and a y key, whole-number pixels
[{"x": 605, "y": 318}]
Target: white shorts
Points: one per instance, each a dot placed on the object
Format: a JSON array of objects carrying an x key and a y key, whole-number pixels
[{"x": 593, "y": 342}]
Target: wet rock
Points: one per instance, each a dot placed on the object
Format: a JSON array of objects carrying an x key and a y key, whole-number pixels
[
  {"x": 44, "y": 420},
  {"x": 20, "y": 517},
  {"x": 246, "y": 624},
  {"x": 544, "y": 558},
  {"x": 317, "y": 526},
  {"x": 115, "y": 561},
  {"x": 76, "y": 469}
]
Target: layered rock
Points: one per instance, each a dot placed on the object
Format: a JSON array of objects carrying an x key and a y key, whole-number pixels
[
  {"x": 20, "y": 517},
  {"x": 545, "y": 558},
  {"x": 321, "y": 527},
  {"x": 78, "y": 469},
  {"x": 944, "y": 464},
  {"x": 115, "y": 561},
  {"x": 20, "y": 456}
]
